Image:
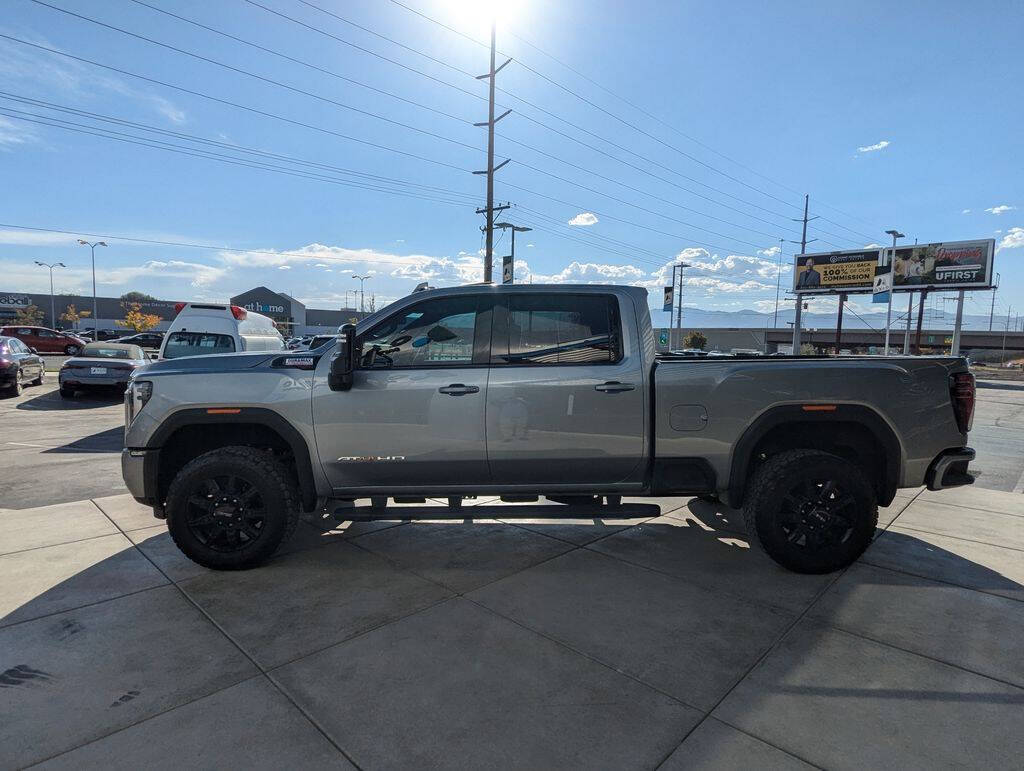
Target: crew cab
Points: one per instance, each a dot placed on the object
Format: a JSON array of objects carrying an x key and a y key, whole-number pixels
[{"x": 528, "y": 390}]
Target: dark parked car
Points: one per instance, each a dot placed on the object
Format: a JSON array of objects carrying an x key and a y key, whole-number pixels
[
  {"x": 102, "y": 334},
  {"x": 144, "y": 340},
  {"x": 45, "y": 340},
  {"x": 100, "y": 365},
  {"x": 19, "y": 364}
]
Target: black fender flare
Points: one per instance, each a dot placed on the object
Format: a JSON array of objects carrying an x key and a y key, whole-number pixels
[
  {"x": 245, "y": 415},
  {"x": 742, "y": 453}
]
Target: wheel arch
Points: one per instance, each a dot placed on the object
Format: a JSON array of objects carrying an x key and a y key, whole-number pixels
[
  {"x": 188, "y": 433},
  {"x": 852, "y": 431}
]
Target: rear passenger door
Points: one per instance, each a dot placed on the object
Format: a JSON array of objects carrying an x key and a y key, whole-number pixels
[{"x": 565, "y": 397}]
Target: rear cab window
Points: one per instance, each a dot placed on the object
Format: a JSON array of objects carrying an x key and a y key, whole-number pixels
[
  {"x": 559, "y": 329},
  {"x": 181, "y": 344}
]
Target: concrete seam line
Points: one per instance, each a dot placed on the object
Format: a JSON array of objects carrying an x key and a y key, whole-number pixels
[
  {"x": 62, "y": 543},
  {"x": 233, "y": 641},
  {"x": 771, "y": 648},
  {"x": 957, "y": 537},
  {"x": 84, "y": 605},
  {"x": 917, "y": 654},
  {"x": 145, "y": 720},
  {"x": 867, "y": 561},
  {"x": 943, "y": 504},
  {"x": 763, "y": 741}
]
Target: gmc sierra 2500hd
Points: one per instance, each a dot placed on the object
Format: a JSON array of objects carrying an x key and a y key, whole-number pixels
[{"x": 523, "y": 391}]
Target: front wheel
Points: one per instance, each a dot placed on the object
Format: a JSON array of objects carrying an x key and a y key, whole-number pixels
[
  {"x": 230, "y": 509},
  {"x": 42, "y": 377},
  {"x": 811, "y": 511},
  {"x": 71, "y": 350}
]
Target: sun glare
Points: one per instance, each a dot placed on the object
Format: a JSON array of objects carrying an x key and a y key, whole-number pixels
[{"x": 474, "y": 17}]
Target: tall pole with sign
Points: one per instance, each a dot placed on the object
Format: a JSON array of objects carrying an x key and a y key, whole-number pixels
[
  {"x": 955, "y": 350},
  {"x": 799, "y": 299},
  {"x": 892, "y": 272}
]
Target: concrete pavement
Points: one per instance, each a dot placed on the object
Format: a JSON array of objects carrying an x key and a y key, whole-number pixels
[{"x": 459, "y": 643}]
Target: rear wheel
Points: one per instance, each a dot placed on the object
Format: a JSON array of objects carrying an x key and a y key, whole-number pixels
[
  {"x": 72, "y": 350},
  {"x": 231, "y": 508},
  {"x": 16, "y": 387},
  {"x": 811, "y": 511}
]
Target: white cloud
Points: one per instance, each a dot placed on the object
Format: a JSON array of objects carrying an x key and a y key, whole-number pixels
[
  {"x": 770, "y": 252},
  {"x": 1001, "y": 209},
  {"x": 529, "y": 246},
  {"x": 873, "y": 148},
  {"x": 872, "y": 246},
  {"x": 284, "y": 267},
  {"x": 966, "y": 211},
  {"x": 592, "y": 273},
  {"x": 15, "y": 133},
  {"x": 321, "y": 265},
  {"x": 1013, "y": 239},
  {"x": 584, "y": 219}
]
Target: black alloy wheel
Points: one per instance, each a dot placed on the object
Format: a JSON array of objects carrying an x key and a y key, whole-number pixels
[
  {"x": 816, "y": 515},
  {"x": 226, "y": 513}
]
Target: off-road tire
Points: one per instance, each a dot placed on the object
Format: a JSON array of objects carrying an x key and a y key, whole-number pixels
[
  {"x": 765, "y": 510},
  {"x": 72, "y": 350},
  {"x": 67, "y": 393},
  {"x": 42, "y": 376},
  {"x": 262, "y": 471}
]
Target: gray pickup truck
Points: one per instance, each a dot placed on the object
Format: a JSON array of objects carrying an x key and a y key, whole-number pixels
[{"x": 523, "y": 391}]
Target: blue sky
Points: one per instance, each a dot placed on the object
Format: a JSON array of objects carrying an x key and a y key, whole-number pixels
[{"x": 902, "y": 115}]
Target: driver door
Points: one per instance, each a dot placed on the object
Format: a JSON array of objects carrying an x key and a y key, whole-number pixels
[{"x": 414, "y": 417}]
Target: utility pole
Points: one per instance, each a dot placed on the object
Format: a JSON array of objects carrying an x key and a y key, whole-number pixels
[
  {"x": 778, "y": 280},
  {"x": 799, "y": 298},
  {"x": 839, "y": 322},
  {"x": 992, "y": 310},
  {"x": 53, "y": 311},
  {"x": 920, "y": 316},
  {"x": 677, "y": 283},
  {"x": 1002, "y": 357},
  {"x": 508, "y": 267},
  {"x": 491, "y": 168},
  {"x": 892, "y": 287}
]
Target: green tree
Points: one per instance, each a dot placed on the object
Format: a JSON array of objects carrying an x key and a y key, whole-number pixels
[
  {"x": 137, "y": 297},
  {"x": 31, "y": 315},
  {"x": 807, "y": 350},
  {"x": 695, "y": 339}
]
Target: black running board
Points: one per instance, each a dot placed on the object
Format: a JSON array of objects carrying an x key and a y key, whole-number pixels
[{"x": 493, "y": 511}]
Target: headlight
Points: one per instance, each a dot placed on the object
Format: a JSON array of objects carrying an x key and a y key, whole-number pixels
[{"x": 135, "y": 399}]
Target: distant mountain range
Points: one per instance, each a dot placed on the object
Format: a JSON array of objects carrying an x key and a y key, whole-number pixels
[{"x": 713, "y": 319}]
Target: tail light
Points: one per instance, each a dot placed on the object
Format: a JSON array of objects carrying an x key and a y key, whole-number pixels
[
  {"x": 961, "y": 391},
  {"x": 238, "y": 313},
  {"x": 179, "y": 307}
]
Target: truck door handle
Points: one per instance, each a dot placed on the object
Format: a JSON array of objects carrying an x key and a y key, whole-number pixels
[
  {"x": 614, "y": 386},
  {"x": 458, "y": 389}
]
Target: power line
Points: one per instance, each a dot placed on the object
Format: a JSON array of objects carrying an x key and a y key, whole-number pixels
[
  {"x": 408, "y": 126},
  {"x": 519, "y": 99},
  {"x": 635, "y": 107}
]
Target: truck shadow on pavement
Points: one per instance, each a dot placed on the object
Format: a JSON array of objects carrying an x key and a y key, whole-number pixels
[
  {"x": 52, "y": 400},
  {"x": 111, "y": 440},
  {"x": 78, "y": 616}
]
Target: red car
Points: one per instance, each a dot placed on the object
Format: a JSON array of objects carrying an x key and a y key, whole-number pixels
[{"x": 46, "y": 340}]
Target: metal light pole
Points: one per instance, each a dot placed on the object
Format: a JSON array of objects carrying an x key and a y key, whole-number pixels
[
  {"x": 778, "y": 281},
  {"x": 53, "y": 311},
  {"x": 95, "y": 318},
  {"x": 362, "y": 304},
  {"x": 512, "y": 256},
  {"x": 992, "y": 310},
  {"x": 892, "y": 267},
  {"x": 679, "y": 266}
]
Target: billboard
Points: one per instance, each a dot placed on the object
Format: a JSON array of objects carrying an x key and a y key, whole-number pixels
[
  {"x": 938, "y": 266},
  {"x": 851, "y": 271},
  {"x": 944, "y": 265}
]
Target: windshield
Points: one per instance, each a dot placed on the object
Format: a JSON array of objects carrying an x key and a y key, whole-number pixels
[
  {"x": 106, "y": 352},
  {"x": 197, "y": 344}
]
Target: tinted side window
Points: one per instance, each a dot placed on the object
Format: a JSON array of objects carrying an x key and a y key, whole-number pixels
[
  {"x": 432, "y": 333},
  {"x": 563, "y": 329}
]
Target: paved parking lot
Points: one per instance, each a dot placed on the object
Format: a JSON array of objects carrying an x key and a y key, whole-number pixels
[{"x": 489, "y": 643}]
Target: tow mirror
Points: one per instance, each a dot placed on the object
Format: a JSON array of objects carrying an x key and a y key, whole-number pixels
[{"x": 343, "y": 363}]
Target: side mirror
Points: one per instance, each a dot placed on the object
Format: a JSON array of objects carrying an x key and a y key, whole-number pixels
[
  {"x": 154, "y": 356},
  {"x": 33, "y": 350},
  {"x": 343, "y": 364}
]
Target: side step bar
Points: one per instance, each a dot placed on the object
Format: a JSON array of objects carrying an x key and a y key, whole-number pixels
[{"x": 495, "y": 511}]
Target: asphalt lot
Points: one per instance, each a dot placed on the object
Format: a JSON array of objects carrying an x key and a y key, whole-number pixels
[{"x": 660, "y": 642}]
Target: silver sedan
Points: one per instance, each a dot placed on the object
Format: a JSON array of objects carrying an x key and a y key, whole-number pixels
[{"x": 100, "y": 365}]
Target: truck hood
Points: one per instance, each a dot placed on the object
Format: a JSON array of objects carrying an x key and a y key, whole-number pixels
[{"x": 221, "y": 362}]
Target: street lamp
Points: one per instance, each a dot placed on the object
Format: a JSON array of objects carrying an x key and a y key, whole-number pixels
[
  {"x": 53, "y": 312},
  {"x": 892, "y": 284},
  {"x": 95, "y": 318},
  {"x": 512, "y": 256},
  {"x": 362, "y": 305}
]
